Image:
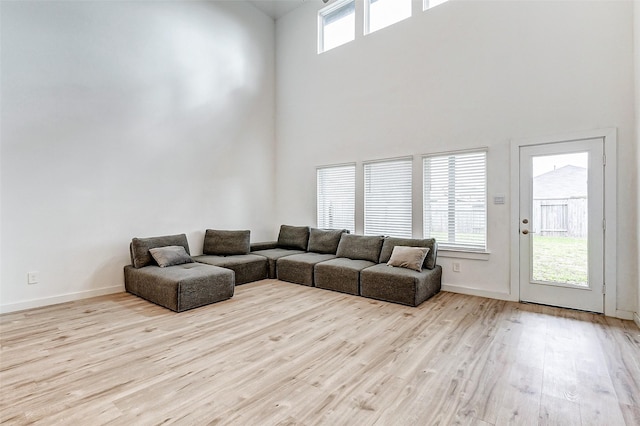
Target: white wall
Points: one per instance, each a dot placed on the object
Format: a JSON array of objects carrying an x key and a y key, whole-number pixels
[
  {"x": 123, "y": 119},
  {"x": 636, "y": 50},
  {"x": 462, "y": 75}
]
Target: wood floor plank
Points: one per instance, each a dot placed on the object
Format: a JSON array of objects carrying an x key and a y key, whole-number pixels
[{"x": 284, "y": 354}]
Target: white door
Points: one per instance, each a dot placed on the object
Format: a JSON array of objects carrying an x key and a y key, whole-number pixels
[{"x": 562, "y": 224}]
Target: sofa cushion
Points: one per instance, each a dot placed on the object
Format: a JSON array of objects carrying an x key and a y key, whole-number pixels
[
  {"x": 248, "y": 267},
  {"x": 298, "y": 268},
  {"x": 360, "y": 247},
  {"x": 400, "y": 285},
  {"x": 430, "y": 243},
  {"x": 268, "y": 245},
  {"x": 325, "y": 241},
  {"x": 225, "y": 243},
  {"x": 408, "y": 257},
  {"x": 340, "y": 274},
  {"x": 170, "y": 255},
  {"x": 180, "y": 287},
  {"x": 139, "y": 248},
  {"x": 273, "y": 255},
  {"x": 293, "y": 237}
]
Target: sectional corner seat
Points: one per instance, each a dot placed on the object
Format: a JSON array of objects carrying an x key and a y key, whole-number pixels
[
  {"x": 328, "y": 259},
  {"x": 292, "y": 240},
  {"x": 232, "y": 250},
  {"x": 178, "y": 287}
]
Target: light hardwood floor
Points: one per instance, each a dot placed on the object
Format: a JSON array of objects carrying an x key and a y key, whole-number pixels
[{"x": 280, "y": 353}]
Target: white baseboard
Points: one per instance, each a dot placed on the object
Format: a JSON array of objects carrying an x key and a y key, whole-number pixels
[
  {"x": 625, "y": 315},
  {"x": 477, "y": 292},
  {"x": 54, "y": 300}
]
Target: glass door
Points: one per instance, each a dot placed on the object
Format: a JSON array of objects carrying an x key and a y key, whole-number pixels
[{"x": 561, "y": 224}]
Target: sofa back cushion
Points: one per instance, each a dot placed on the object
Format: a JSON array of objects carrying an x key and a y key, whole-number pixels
[
  {"x": 430, "y": 243},
  {"x": 325, "y": 241},
  {"x": 293, "y": 237},
  {"x": 360, "y": 247},
  {"x": 225, "y": 243},
  {"x": 139, "y": 248}
]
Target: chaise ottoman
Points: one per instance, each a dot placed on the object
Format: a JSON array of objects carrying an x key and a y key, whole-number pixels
[{"x": 178, "y": 287}]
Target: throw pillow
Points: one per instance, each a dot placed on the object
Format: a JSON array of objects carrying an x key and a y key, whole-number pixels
[
  {"x": 139, "y": 247},
  {"x": 170, "y": 255},
  {"x": 408, "y": 257},
  {"x": 391, "y": 242},
  {"x": 225, "y": 243}
]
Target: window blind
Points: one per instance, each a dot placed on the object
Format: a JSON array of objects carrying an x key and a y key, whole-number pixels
[
  {"x": 336, "y": 195},
  {"x": 387, "y": 198},
  {"x": 455, "y": 199}
]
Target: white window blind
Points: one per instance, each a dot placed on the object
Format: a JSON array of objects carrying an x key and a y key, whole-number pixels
[
  {"x": 336, "y": 186},
  {"x": 387, "y": 198},
  {"x": 455, "y": 200}
]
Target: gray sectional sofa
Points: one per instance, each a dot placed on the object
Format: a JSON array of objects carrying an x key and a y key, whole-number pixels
[{"x": 328, "y": 259}]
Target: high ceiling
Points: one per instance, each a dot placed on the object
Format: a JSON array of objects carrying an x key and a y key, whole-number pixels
[{"x": 277, "y": 8}]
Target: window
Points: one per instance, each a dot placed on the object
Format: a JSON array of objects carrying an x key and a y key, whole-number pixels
[
  {"x": 387, "y": 198},
  {"x": 382, "y": 13},
  {"x": 428, "y": 4},
  {"x": 336, "y": 25},
  {"x": 336, "y": 186},
  {"x": 455, "y": 200}
]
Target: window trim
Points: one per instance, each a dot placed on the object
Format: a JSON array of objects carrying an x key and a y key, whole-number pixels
[
  {"x": 322, "y": 13},
  {"x": 426, "y": 6},
  {"x": 457, "y": 251},
  {"x": 366, "y": 30}
]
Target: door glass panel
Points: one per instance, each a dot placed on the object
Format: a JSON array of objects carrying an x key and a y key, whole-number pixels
[{"x": 559, "y": 243}]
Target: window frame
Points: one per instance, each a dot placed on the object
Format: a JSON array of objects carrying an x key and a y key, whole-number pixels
[
  {"x": 328, "y": 10},
  {"x": 365, "y": 165},
  {"x": 446, "y": 245},
  {"x": 353, "y": 201},
  {"x": 426, "y": 4},
  {"x": 367, "y": 17}
]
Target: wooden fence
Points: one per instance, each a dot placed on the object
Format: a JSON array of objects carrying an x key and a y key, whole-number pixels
[{"x": 562, "y": 217}]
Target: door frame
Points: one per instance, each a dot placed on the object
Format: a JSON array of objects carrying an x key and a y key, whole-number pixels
[{"x": 610, "y": 142}]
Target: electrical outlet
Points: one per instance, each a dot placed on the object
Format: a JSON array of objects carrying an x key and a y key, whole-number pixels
[
  {"x": 33, "y": 277},
  {"x": 456, "y": 266}
]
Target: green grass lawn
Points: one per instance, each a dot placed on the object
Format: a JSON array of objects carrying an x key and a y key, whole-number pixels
[{"x": 560, "y": 259}]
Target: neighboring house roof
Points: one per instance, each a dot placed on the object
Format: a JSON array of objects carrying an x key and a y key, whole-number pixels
[{"x": 565, "y": 182}]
